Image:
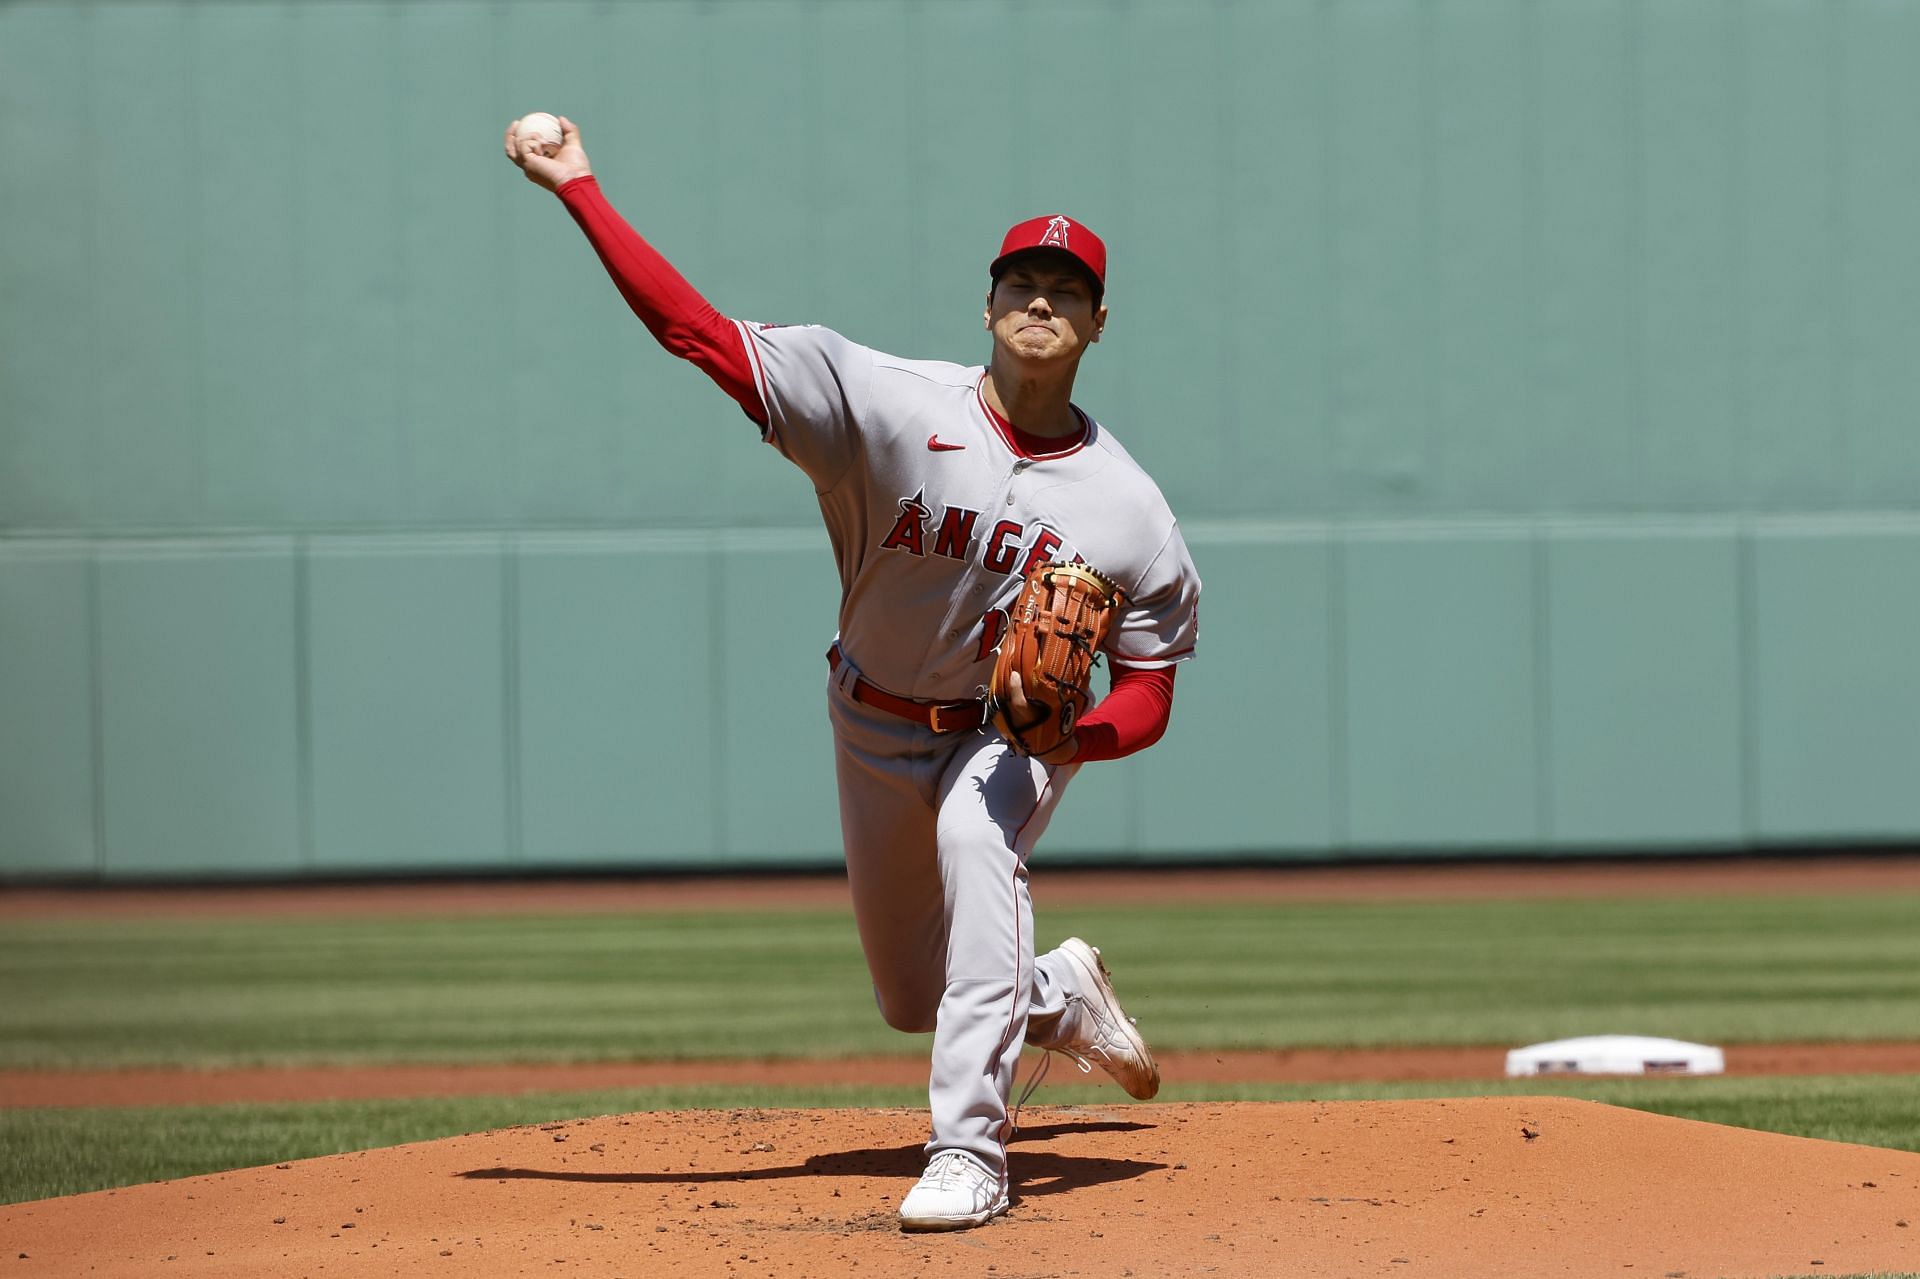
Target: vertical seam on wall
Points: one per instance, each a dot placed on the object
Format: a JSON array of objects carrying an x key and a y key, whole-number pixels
[
  {"x": 300, "y": 275},
  {"x": 714, "y": 248},
  {"x": 1533, "y": 151},
  {"x": 96, "y": 395},
  {"x": 1340, "y": 827},
  {"x": 1125, "y": 211},
  {"x": 96, "y": 711},
  {"x": 196, "y": 255},
  {"x": 505, "y": 416},
  {"x": 1746, "y": 581},
  {"x": 403, "y": 263},
  {"x": 303, "y": 696},
  {"x": 813, "y": 107},
  {"x": 510, "y": 694},
  {"x": 1226, "y": 134},
  {"x": 1636, "y": 334},
  {"x": 1746, "y": 638},
  {"x": 717, "y": 692},
  {"x": 1837, "y": 257},
  {"x": 1739, "y": 322},
  {"x": 1329, "y": 255},
  {"x": 1431, "y": 449},
  {"x": 1544, "y": 824},
  {"x": 1339, "y": 823},
  {"x": 914, "y": 18}
]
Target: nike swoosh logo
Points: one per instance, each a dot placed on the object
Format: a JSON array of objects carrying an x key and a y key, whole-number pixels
[{"x": 934, "y": 444}]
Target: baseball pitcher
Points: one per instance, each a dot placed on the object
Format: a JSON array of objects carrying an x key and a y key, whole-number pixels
[{"x": 994, "y": 541}]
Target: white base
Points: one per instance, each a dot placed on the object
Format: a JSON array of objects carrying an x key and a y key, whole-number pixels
[{"x": 1617, "y": 1055}]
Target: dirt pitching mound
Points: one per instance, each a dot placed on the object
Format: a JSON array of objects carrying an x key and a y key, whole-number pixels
[{"x": 1488, "y": 1186}]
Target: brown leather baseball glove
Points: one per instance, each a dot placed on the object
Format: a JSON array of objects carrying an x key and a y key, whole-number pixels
[{"x": 1057, "y": 624}]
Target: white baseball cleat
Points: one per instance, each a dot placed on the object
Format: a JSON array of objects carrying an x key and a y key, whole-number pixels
[
  {"x": 1105, "y": 1034},
  {"x": 956, "y": 1192}
]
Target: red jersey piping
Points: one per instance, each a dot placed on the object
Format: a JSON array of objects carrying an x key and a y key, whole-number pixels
[
  {"x": 759, "y": 376},
  {"x": 1024, "y": 444}
]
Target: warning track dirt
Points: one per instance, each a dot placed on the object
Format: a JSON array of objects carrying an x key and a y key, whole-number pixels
[{"x": 1303, "y": 1065}]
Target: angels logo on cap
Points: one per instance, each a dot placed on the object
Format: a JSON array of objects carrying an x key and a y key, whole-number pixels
[{"x": 1055, "y": 231}]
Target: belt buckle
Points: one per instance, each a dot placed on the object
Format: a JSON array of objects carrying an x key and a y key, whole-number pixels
[{"x": 939, "y": 709}]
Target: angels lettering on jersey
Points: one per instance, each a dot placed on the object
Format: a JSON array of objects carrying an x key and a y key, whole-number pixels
[
  {"x": 1005, "y": 551},
  {"x": 935, "y": 513}
]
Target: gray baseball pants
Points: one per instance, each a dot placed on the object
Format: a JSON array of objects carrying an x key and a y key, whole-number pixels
[{"x": 938, "y": 829}]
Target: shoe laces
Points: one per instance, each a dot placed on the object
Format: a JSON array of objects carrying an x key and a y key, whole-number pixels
[
  {"x": 1040, "y": 1073},
  {"x": 1104, "y": 1036},
  {"x": 953, "y": 1170}
]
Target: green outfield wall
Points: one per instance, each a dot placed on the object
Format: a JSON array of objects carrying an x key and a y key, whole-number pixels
[{"x": 1536, "y": 383}]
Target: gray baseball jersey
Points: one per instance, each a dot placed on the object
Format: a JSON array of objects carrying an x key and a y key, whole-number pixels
[{"x": 935, "y": 516}]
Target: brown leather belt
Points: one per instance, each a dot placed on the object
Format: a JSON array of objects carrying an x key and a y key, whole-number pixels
[{"x": 941, "y": 717}]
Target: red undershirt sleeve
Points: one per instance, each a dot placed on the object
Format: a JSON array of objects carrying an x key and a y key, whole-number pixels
[
  {"x": 681, "y": 320},
  {"x": 1131, "y": 718},
  {"x": 1134, "y": 714}
]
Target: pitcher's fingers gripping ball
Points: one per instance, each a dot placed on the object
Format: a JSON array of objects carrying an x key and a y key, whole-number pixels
[
  {"x": 539, "y": 132},
  {"x": 547, "y": 149},
  {"x": 1043, "y": 675}
]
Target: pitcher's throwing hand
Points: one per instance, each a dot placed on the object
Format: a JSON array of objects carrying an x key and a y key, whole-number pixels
[{"x": 550, "y": 171}]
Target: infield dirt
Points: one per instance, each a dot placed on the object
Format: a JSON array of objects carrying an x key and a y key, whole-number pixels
[
  {"x": 1489, "y": 1186},
  {"x": 181, "y": 1087}
]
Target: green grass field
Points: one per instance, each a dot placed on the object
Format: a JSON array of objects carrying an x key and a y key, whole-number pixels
[
  {"x": 593, "y": 987},
  {"x": 792, "y": 984}
]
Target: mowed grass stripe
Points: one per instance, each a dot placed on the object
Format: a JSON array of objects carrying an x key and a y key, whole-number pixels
[
  {"x": 530, "y": 989},
  {"x": 793, "y": 984},
  {"x": 1734, "y": 969}
]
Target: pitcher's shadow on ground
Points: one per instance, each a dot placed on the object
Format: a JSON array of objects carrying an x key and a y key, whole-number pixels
[{"x": 1034, "y": 1172}]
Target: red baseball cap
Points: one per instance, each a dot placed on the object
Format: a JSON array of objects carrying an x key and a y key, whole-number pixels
[{"x": 1055, "y": 231}]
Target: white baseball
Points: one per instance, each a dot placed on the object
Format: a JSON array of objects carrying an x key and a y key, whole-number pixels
[{"x": 539, "y": 131}]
